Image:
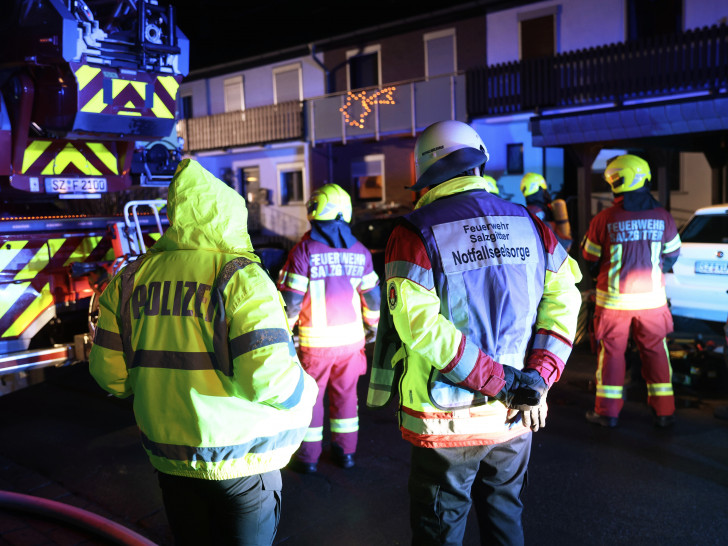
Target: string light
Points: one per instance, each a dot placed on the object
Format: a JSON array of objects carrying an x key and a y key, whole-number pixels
[{"x": 382, "y": 96}]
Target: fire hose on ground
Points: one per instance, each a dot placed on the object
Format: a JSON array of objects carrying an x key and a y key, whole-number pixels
[{"x": 100, "y": 526}]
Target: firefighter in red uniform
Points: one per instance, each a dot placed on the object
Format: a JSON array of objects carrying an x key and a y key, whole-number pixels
[
  {"x": 552, "y": 213},
  {"x": 629, "y": 245},
  {"x": 332, "y": 292}
]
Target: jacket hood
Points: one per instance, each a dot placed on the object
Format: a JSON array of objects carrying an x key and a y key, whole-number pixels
[{"x": 204, "y": 214}]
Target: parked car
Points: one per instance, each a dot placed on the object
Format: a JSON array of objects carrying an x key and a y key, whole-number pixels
[{"x": 697, "y": 284}]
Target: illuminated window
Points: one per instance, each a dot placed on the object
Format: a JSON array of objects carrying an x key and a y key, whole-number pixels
[
  {"x": 291, "y": 184},
  {"x": 234, "y": 98},
  {"x": 440, "y": 53},
  {"x": 368, "y": 178}
]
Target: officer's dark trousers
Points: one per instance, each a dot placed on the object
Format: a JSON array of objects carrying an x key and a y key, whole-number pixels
[
  {"x": 225, "y": 512},
  {"x": 443, "y": 480}
]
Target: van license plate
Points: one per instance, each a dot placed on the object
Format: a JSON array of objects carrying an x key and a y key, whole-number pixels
[
  {"x": 712, "y": 268},
  {"x": 75, "y": 185}
]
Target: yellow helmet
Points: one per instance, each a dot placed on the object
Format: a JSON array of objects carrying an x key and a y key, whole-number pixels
[
  {"x": 531, "y": 183},
  {"x": 491, "y": 184},
  {"x": 329, "y": 202},
  {"x": 627, "y": 173}
]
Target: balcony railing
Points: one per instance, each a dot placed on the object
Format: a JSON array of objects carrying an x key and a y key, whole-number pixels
[
  {"x": 397, "y": 108},
  {"x": 283, "y": 121},
  {"x": 689, "y": 62}
]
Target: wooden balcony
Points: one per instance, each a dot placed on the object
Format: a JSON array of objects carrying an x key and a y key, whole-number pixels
[
  {"x": 261, "y": 125},
  {"x": 690, "y": 62}
]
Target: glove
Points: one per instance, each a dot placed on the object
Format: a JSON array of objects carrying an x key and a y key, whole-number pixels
[
  {"x": 523, "y": 388},
  {"x": 534, "y": 417}
]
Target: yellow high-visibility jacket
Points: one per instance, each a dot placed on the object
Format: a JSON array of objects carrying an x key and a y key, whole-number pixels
[{"x": 197, "y": 332}]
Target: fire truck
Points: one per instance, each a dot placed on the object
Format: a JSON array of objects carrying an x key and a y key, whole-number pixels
[{"x": 88, "y": 146}]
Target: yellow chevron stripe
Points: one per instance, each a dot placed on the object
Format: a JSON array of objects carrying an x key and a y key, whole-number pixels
[
  {"x": 104, "y": 154},
  {"x": 85, "y": 74},
  {"x": 170, "y": 84},
  {"x": 70, "y": 155},
  {"x": 141, "y": 88},
  {"x": 8, "y": 251},
  {"x": 96, "y": 104},
  {"x": 40, "y": 304},
  {"x": 117, "y": 86},
  {"x": 159, "y": 108},
  {"x": 122, "y": 113},
  {"x": 33, "y": 151}
]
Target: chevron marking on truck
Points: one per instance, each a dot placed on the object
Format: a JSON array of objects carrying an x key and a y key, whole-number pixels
[
  {"x": 61, "y": 157},
  {"x": 103, "y": 91},
  {"x": 27, "y": 269}
]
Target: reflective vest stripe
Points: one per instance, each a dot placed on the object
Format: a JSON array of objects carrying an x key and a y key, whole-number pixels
[
  {"x": 412, "y": 272},
  {"x": 592, "y": 248},
  {"x": 553, "y": 344},
  {"x": 449, "y": 424},
  {"x": 672, "y": 246},
  {"x": 108, "y": 340},
  {"x": 317, "y": 295},
  {"x": 369, "y": 281},
  {"x": 214, "y": 454},
  {"x": 343, "y": 426},
  {"x": 295, "y": 282},
  {"x": 659, "y": 389},
  {"x": 257, "y": 339},
  {"x": 331, "y": 336},
  {"x": 466, "y": 363},
  {"x": 314, "y": 434},
  {"x": 609, "y": 391},
  {"x": 632, "y": 302}
]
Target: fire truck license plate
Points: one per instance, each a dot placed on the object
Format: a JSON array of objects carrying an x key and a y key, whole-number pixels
[
  {"x": 712, "y": 268},
  {"x": 75, "y": 185}
]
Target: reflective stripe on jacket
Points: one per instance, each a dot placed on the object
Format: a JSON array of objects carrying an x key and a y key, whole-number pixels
[
  {"x": 470, "y": 277},
  {"x": 330, "y": 292},
  {"x": 196, "y": 331},
  {"x": 630, "y": 247}
]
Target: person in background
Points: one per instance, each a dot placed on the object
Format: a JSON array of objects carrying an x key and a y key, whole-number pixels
[
  {"x": 332, "y": 293},
  {"x": 551, "y": 212},
  {"x": 195, "y": 330},
  {"x": 480, "y": 317},
  {"x": 629, "y": 246}
]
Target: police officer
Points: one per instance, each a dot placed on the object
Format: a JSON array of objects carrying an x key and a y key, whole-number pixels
[
  {"x": 196, "y": 331},
  {"x": 629, "y": 245},
  {"x": 332, "y": 293},
  {"x": 483, "y": 303}
]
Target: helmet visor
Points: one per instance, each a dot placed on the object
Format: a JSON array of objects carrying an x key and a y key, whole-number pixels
[{"x": 612, "y": 175}]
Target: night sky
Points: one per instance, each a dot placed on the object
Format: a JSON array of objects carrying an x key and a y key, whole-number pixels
[{"x": 227, "y": 30}]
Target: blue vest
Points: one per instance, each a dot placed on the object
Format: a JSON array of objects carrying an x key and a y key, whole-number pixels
[{"x": 489, "y": 266}]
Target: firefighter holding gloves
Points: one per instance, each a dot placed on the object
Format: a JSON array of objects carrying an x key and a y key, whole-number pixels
[
  {"x": 479, "y": 320},
  {"x": 196, "y": 331},
  {"x": 332, "y": 292},
  {"x": 628, "y": 246}
]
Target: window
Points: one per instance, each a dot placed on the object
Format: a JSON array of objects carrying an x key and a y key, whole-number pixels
[
  {"x": 185, "y": 107},
  {"x": 440, "y": 53},
  {"x": 234, "y": 99},
  {"x": 514, "y": 157},
  {"x": 291, "y": 184},
  {"x": 368, "y": 178},
  {"x": 538, "y": 33},
  {"x": 287, "y": 83},
  {"x": 363, "y": 68},
  {"x": 651, "y": 18},
  {"x": 250, "y": 181}
]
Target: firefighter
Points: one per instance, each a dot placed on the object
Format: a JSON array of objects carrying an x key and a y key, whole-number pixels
[
  {"x": 480, "y": 317},
  {"x": 552, "y": 212},
  {"x": 332, "y": 293},
  {"x": 196, "y": 331},
  {"x": 628, "y": 246}
]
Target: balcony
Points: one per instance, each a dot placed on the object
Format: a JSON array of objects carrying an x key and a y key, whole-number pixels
[
  {"x": 397, "y": 108},
  {"x": 689, "y": 63},
  {"x": 261, "y": 125}
]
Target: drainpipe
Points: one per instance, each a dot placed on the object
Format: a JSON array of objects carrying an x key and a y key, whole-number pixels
[{"x": 327, "y": 91}]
